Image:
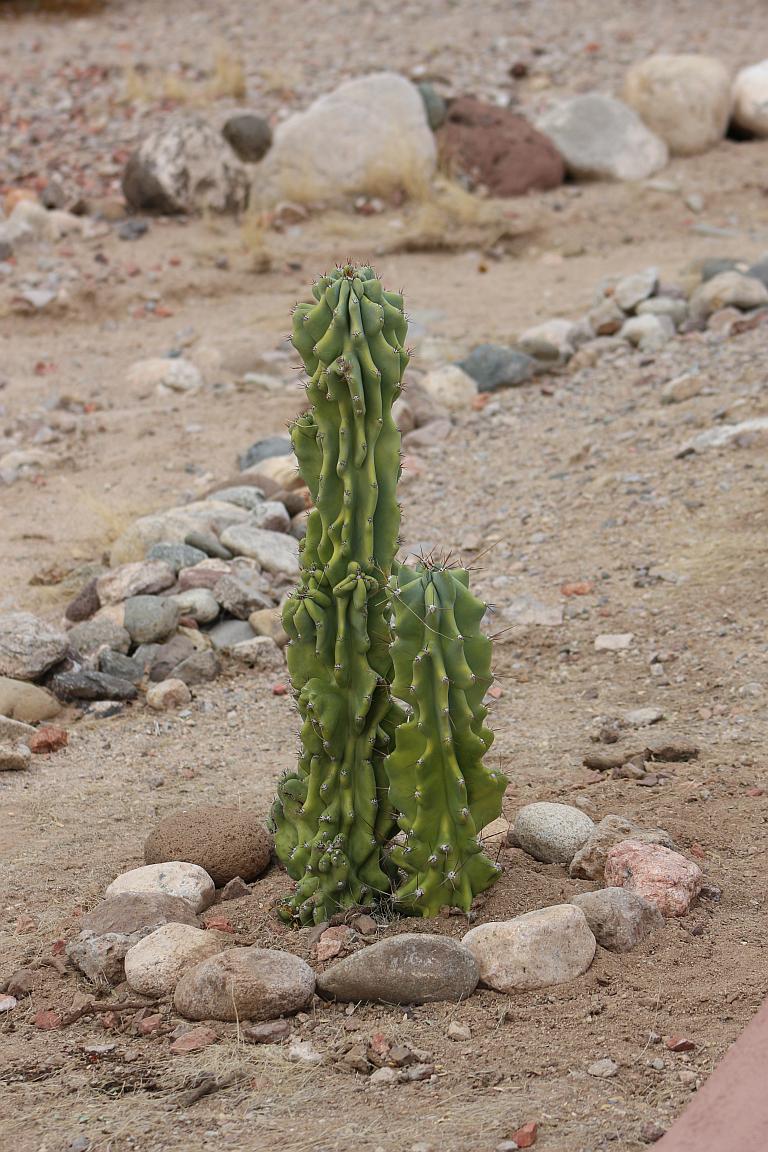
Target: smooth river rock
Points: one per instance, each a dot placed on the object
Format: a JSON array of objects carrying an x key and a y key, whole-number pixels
[
  {"x": 549, "y": 946},
  {"x": 552, "y": 833},
  {"x": 245, "y": 984},
  {"x": 156, "y": 963},
  {"x": 175, "y": 878},
  {"x": 412, "y": 968}
]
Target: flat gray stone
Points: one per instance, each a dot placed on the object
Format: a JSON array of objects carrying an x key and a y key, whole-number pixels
[
  {"x": 619, "y": 919},
  {"x": 493, "y": 366},
  {"x": 227, "y": 633},
  {"x": 412, "y": 968},
  {"x": 552, "y": 833},
  {"x": 150, "y": 618},
  {"x": 176, "y": 556},
  {"x": 91, "y": 636},
  {"x": 86, "y": 684},
  {"x": 275, "y": 552}
]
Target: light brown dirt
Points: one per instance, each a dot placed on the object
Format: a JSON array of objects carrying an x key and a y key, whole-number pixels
[{"x": 574, "y": 478}]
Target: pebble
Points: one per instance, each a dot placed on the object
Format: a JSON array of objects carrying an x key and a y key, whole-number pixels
[
  {"x": 269, "y": 1032},
  {"x": 458, "y": 1031},
  {"x": 193, "y": 1041},
  {"x": 245, "y": 984},
  {"x": 24, "y": 703},
  {"x": 493, "y": 366},
  {"x": 681, "y": 388},
  {"x": 176, "y": 878},
  {"x": 176, "y": 556},
  {"x": 451, "y": 386},
  {"x": 606, "y": 318},
  {"x": 407, "y": 969},
  {"x": 660, "y": 875},
  {"x": 85, "y": 604},
  {"x": 99, "y": 957},
  {"x": 384, "y": 1078},
  {"x": 228, "y": 633},
  {"x": 536, "y": 950},
  {"x": 265, "y": 449},
  {"x": 304, "y": 1052},
  {"x": 274, "y": 551},
  {"x": 614, "y": 642},
  {"x": 604, "y": 1069},
  {"x": 175, "y": 525},
  {"x": 643, "y": 717},
  {"x": 551, "y": 341},
  {"x": 552, "y": 833},
  {"x": 140, "y": 578},
  {"x": 14, "y": 757},
  {"x": 199, "y": 668},
  {"x": 648, "y": 333},
  {"x": 132, "y": 913},
  {"x": 632, "y": 290},
  {"x": 150, "y": 618},
  {"x": 599, "y": 137},
  {"x": 242, "y": 592},
  {"x": 226, "y": 842},
  {"x": 168, "y": 694},
  {"x": 198, "y": 603},
  {"x": 29, "y": 646},
  {"x": 619, "y": 919},
  {"x": 261, "y": 652},
  {"x": 155, "y": 964},
  {"x": 86, "y": 684},
  {"x": 684, "y": 99},
  {"x": 728, "y": 290},
  {"x": 589, "y": 861},
  {"x": 90, "y": 636},
  {"x": 207, "y": 543},
  {"x": 249, "y": 135}
]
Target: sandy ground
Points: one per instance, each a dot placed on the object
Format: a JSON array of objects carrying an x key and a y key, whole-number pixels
[{"x": 573, "y": 478}]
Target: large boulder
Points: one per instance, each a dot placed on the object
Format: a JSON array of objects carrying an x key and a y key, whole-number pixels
[
  {"x": 369, "y": 136},
  {"x": 750, "y": 99},
  {"x": 185, "y": 166},
  {"x": 686, "y": 100},
  {"x": 497, "y": 148},
  {"x": 599, "y": 137}
]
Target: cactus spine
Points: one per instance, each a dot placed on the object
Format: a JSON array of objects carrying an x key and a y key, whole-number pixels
[
  {"x": 438, "y": 783},
  {"x": 332, "y": 815}
]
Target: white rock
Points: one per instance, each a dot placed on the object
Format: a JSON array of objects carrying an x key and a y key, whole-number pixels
[
  {"x": 172, "y": 374},
  {"x": 450, "y": 386},
  {"x": 603, "y": 1069},
  {"x": 185, "y": 166},
  {"x": 618, "y": 918},
  {"x": 671, "y": 306},
  {"x": 552, "y": 340},
  {"x": 14, "y": 757},
  {"x": 175, "y": 878},
  {"x": 748, "y": 430},
  {"x": 552, "y": 833},
  {"x": 750, "y": 98},
  {"x": 614, "y": 641},
  {"x": 632, "y": 290},
  {"x": 137, "y": 579},
  {"x": 648, "y": 332},
  {"x": 199, "y": 603},
  {"x": 681, "y": 388},
  {"x": 369, "y": 136},
  {"x": 525, "y": 610},
  {"x": 550, "y": 946},
  {"x": 261, "y": 652},
  {"x": 29, "y": 646},
  {"x": 685, "y": 99},
  {"x": 7, "y": 1003},
  {"x": 173, "y": 525},
  {"x": 168, "y": 694},
  {"x": 274, "y": 551},
  {"x": 728, "y": 290},
  {"x": 642, "y": 717},
  {"x": 155, "y": 964},
  {"x": 601, "y": 138},
  {"x": 303, "y": 1052}
]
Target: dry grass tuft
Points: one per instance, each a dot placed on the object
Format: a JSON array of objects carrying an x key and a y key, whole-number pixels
[
  {"x": 448, "y": 218},
  {"x": 228, "y": 78}
]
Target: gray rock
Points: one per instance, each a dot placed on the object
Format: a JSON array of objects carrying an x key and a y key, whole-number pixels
[
  {"x": 261, "y": 652},
  {"x": 91, "y": 636},
  {"x": 649, "y": 333},
  {"x": 434, "y": 105},
  {"x": 198, "y": 603},
  {"x": 144, "y": 655},
  {"x": 176, "y": 556},
  {"x": 493, "y": 366},
  {"x": 760, "y": 271},
  {"x": 599, "y": 137},
  {"x": 168, "y": 655},
  {"x": 271, "y": 515},
  {"x": 549, "y": 946},
  {"x": 604, "y": 1069},
  {"x": 14, "y": 757},
  {"x": 714, "y": 265},
  {"x": 123, "y": 667},
  {"x": 552, "y": 833},
  {"x": 208, "y": 544},
  {"x": 245, "y": 984},
  {"x": 551, "y": 341},
  {"x": 671, "y": 306},
  {"x": 275, "y": 552},
  {"x": 728, "y": 290},
  {"x": 242, "y": 592},
  {"x": 20, "y": 701},
  {"x": 265, "y": 450},
  {"x": 412, "y": 968},
  {"x": 249, "y": 135},
  {"x": 632, "y": 290},
  {"x": 150, "y": 618},
  {"x": 184, "y": 167},
  {"x": 589, "y": 861},
  {"x": 198, "y": 668},
  {"x": 28, "y": 646},
  {"x": 682, "y": 388},
  {"x": 174, "y": 526},
  {"x": 101, "y": 957},
  {"x": 14, "y": 731},
  {"x": 642, "y": 717},
  {"x": 227, "y": 633},
  {"x": 135, "y": 913},
  {"x": 168, "y": 694},
  {"x": 619, "y": 919},
  {"x": 243, "y": 495},
  {"x": 86, "y": 684},
  {"x": 606, "y": 317}
]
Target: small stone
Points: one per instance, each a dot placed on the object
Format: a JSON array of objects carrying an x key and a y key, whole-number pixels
[
  {"x": 167, "y": 656},
  {"x": 21, "y": 983},
  {"x": 589, "y": 861},
  {"x": 334, "y": 941},
  {"x": 176, "y": 878},
  {"x": 550, "y": 342},
  {"x": 246, "y": 496},
  {"x": 303, "y": 1052},
  {"x": 604, "y": 1069},
  {"x": 86, "y": 684},
  {"x": 28, "y": 646},
  {"x": 234, "y": 889},
  {"x": 245, "y": 984},
  {"x": 269, "y": 1032},
  {"x": 150, "y": 618},
  {"x": 209, "y": 544},
  {"x": 643, "y": 717},
  {"x": 99, "y": 957},
  {"x": 132, "y": 913},
  {"x": 14, "y": 757},
  {"x": 23, "y": 704},
  {"x": 84, "y": 605},
  {"x": 728, "y": 290},
  {"x": 671, "y": 749},
  {"x": 168, "y": 694},
  {"x": 155, "y": 964},
  {"x": 91, "y": 636},
  {"x": 679, "y": 1044},
  {"x": 458, "y": 1031},
  {"x": 552, "y": 833},
  {"x": 176, "y": 556},
  {"x": 142, "y": 578},
  {"x": 48, "y": 739},
  {"x": 606, "y": 317},
  {"x": 651, "y": 1132},
  {"x": 7, "y": 1003},
  {"x": 265, "y": 449},
  {"x": 435, "y": 108},
  {"x": 226, "y": 842},
  {"x": 384, "y": 1078},
  {"x": 407, "y": 969},
  {"x": 750, "y": 99},
  {"x": 199, "y": 668},
  {"x": 268, "y": 622},
  {"x": 525, "y": 1137},
  {"x": 198, "y": 603},
  {"x": 193, "y": 1041},
  {"x": 632, "y": 290},
  {"x": 275, "y": 552},
  {"x": 451, "y": 387},
  {"x": 116, "y": 664},
  {"x": 671, "y": 306},
  {"x": 661, "y": 876},
  {"x": 243, "y": 592},
  {"x": 261, "y": 652},
  {"x": 599, "y": 137},
  {"x": 227, "y": 633},
  {"x": 492, "y": 366},
  {"x": 685, "y": 99},
  {"x": 249, "y": 135},
  {"x": 619, "y": 919},
  {"x": 536, "y": 950},
  {"x": 649, "y": 333},
  {"x": 527, "y": 610},
  {"x": 682, "y": 388}
]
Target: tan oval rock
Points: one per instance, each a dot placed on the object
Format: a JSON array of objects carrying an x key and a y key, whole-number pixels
[
  {"x": 684, "y": 99},
  {"x": 226, "y": 842},
  {"x": 549, "y": 946},
  {"x": 245, "y": 984},
  {"x": 156, "y": 963},
  {"x": 171, "y": 878}
]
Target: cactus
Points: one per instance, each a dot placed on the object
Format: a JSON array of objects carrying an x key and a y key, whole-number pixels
[
  {"x": 438, "y": 783},
  {"x": 332, "y": 815},
  {"x": 367, "y": 765}
]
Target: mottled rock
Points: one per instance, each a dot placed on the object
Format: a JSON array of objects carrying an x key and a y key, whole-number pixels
[
  {"x": 121, "y": 666},
  {"x": 150, "y": 618},
  {"x": 589, "y": 861},
  {"x": 614, "y": 641},
  {"x": 15, "y": 731},
  {"x": 671, "y": 306},
  {"x": 261, "y": 652},
  {"x": 451, "y": 386},
  {"x": 549, "y": 946},
  {"x": 198, "y": 603},
  {"x": 140, "y": 578},
  {"x": 728, "y": 290},
  {"x": 552, "y": 833},
  {"x": 208, "y": 543},
  {"x": 25, "y": 702},
  {"x": 242, "y": 591},
  {"x": 28, "y": 646},
  {"x": 269, "y": 622},
  {"x": 270, "y": 1032},
  {"x": 618, "y": 919},
  {"x": 226, "y": 842},
  {"x": 100, "y": 958},
  {"x": 206, "y": 574},
  {"x": 599, "y": 137},
  {"x": 176, "y": 878},
  {"x": 155, "y": 964},
  {"x": 681, "y": 388},
  {"x": 132, "y": 913},
  {"x": 176, "y": 556},
  {"x": 87, "y": 684},
  {"x": 684, "y": 99},
  {"x": 84, "y": 604},
  {"x": 245, "y": 984},
  {"x": 408, "y": 969},
  {"x": 167, "y": 656},
  {"x": 91, "y": 636},
  {"x": 606, "y": 317},
  {"x": 199, "y": 668},
  {"x": 662, "y": 876},
  {"x": 492, "y": 366},
  {"x": 249, "y": 135},
  {"x": 275, "y": 552},
  {"x": 14, "y": 757},
  {"x": 168, "y": 694}
]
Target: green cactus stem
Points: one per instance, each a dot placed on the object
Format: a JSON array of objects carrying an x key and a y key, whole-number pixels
[
  {"x": 439, "y": 785},
  {"x": 332, "y": 815}
]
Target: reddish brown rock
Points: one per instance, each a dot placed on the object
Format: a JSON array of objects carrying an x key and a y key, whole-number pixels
[
  {"x": 498, "y": 149},
  {"x": 663, "y": 877},
  {"x": 226, "y": 842}
]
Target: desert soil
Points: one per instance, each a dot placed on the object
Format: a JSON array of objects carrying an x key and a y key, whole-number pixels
[{"x": 572, "y": 478}]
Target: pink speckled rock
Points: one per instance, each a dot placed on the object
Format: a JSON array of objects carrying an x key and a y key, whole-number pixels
[{"x": 663, "y": 877}]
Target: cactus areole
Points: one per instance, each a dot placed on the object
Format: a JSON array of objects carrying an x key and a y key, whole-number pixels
[{"x": 389, "y": 795}]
